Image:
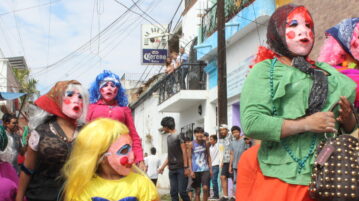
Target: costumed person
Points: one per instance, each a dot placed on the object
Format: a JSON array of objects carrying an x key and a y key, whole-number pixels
[
  {"x": 285, "y": 102},
  {"x": 101, "y": 166},
  {"x": 58, "y": 116},
  {"x": 341, "y": 50},
  {"x": 8, "y": 176},
  {"x": 108, "y": 100}
]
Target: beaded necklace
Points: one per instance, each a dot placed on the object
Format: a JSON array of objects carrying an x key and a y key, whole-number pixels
[{"x": 301, "y": 162}]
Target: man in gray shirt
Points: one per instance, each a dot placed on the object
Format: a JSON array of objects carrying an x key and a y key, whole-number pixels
[
  {"x": 238, "y": 146},
  {"x": 177, "y": 161}
]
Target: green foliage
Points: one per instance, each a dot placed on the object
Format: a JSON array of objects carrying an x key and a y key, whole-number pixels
[{"x": 27, "y": 85}]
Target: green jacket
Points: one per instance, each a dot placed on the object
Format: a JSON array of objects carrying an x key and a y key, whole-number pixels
[{"x": 291, "y": 92}]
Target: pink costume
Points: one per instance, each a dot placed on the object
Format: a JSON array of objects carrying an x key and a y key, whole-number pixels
[
  {"x": 8, "y": 182},
  {"x": 122, "y": 114}
]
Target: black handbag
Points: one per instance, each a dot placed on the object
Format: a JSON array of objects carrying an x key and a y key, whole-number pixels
[{"x": 335, "y": 175}]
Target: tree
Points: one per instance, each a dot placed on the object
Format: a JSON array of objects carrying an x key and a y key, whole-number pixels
[{"x": 27, "y": 85}]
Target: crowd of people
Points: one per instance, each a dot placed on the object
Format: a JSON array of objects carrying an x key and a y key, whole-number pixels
[
  {"x": 83, "y": 145},
  {"x": 176, "y": 62},
  {"x": 194, "y": 164}
]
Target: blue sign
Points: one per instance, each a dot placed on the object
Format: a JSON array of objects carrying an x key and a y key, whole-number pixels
[{"x": 154, "y": 56}]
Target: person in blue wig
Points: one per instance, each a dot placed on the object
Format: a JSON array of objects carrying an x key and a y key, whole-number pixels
[{"x": 108, "y": 100}]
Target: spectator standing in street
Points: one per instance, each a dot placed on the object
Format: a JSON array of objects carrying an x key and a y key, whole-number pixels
[
  {"x": 189, "y": 188},
  {"x": 214, "y": 153},
  {"x": 14, "y": 141},
  {"x": 200, "y": 164},
  {"x": 152, "y": 162},
  {"x": 225, "y": 142},
  {"x": 177, "y": 160},
  {"x": 238, "y": 146}
]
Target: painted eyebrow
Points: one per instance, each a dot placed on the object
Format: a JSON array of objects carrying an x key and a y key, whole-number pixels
[
  {"x": 292, "y": 22},
  {"x": 70, "y": 93}
]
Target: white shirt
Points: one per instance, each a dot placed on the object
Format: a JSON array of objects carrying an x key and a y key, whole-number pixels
[
  {"x": 215, "y": 156},
  {"x": 153, "y": 163}
]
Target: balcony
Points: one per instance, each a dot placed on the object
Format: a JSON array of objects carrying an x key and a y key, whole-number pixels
[
  {"x": 209, "y": 20},
  {"x": 242, "y": 17},
  {"x": 178, "y": 91}
]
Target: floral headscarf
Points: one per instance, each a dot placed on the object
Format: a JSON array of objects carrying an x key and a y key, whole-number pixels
[
  {"x": 52, "y": 101},
  {"x": 343, "y": 33}
]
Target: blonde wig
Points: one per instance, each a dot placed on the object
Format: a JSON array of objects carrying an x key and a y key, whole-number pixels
[{"x": 91, "y": 143}]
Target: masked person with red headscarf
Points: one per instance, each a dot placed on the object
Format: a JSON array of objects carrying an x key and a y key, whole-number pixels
[
  {"x": 285, "y": 102},
  {"x": 54, "y": 127}
]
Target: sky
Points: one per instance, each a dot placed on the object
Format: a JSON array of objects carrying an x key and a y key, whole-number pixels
[{"x": 60, "y": 40}]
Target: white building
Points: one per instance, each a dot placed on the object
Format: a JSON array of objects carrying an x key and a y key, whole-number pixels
[
  {"x": 9, "y": 83},
  {"x": 195, "y": 104}
]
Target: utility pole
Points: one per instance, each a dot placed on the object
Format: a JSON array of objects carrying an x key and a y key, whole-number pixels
[{"x": 222, "y": 72}]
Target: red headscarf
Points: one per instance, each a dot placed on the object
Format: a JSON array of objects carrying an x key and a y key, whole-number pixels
[{"x": 52, "y": 101}]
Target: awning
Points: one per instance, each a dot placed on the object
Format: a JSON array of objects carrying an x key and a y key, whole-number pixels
[{"x": 10, "y": 95}]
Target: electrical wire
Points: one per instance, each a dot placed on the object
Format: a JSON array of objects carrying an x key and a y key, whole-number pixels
[
  {"x": 169, "y": 26},
  {"x": 93, "y": 14},
  {"x": 147, "y": 14},
  {"x": 6, "y": 38},
  {"x": 48, "y": 36},
  {"x": 31, "y": 7},
  {"x": 129, "y": 31},
  {"x": 84, "y": 46},
  {"x": 18, "y": 31},
  {"x": 123, "y": 5},
  {"x": 105, "y": 52}
]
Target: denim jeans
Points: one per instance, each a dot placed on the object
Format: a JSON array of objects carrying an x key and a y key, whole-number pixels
[
  {"x": 178, "y": 183},
  {"x": 184, "y": 72},
  {"x": 214, "y": 180}
]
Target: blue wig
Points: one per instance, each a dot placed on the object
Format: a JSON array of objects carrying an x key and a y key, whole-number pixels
[{"x": 94, "y": 90}]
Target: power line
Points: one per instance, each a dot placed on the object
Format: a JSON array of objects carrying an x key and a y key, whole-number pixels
[
  {"x": 119, "y": 41},
  {"x": 93, "y": 14},
  {"x": 31, "y": 7},
  {"x": 48, "y": 36},
  {"x": 18, "y": 31},
  {"x": 6, "y": 38},
  {"x": 169, "y": 24},
  {"x": 147, "y": 14},
  {"x": 87, "y": 43},
  {"x": 139, "y": 14}
]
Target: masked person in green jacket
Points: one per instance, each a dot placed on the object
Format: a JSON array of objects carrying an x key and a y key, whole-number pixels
[{"x": 285, "y": 103}]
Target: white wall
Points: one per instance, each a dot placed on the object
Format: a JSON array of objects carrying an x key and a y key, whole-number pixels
[
  {"x": 8, "y": 83},
  {"x": 190, "y": 24},
  {"x": 245, "y": 47}
]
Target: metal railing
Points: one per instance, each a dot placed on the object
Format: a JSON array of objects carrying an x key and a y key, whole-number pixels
[
  {"x": 209, "y": 19},
  {"x": 190, "y": 76}
]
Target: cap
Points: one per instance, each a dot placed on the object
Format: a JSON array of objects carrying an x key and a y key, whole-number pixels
[{"x": 223, "y": 126}]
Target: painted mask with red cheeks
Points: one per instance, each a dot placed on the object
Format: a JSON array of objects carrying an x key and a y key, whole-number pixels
[
  {"x": 299, "y": 32},
  {"x": 354, "y": 43},
  {"x": 120, "y": 155},
  {"x": 72, "y": 104},
  {"x": 109, "y": 91}
]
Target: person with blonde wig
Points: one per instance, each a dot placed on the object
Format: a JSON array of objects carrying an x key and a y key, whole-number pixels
[{"x": 101, "y": 166}]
